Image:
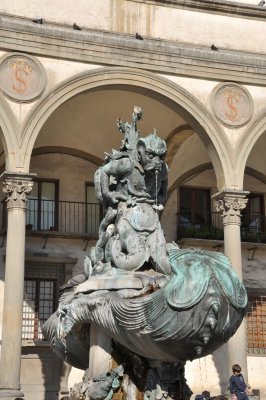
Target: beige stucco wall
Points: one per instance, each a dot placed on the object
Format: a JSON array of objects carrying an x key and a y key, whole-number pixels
[
  {"x": 168, "y": 219},
  {"x": 74, "y": 377},
  {"x": 149, "y": 20},
  {"x": 191, "y": 154},
  {"x": 256, "y": 158},
  {"x": 208, "y": 373},
  {"x": 202, "y": 90},
  {"x": 254, "y": 268},
  {"x": 256, "y": 368},
  {"x": 72, "y": 173},
  {"x": 76, "y": 123},
  {"x": 56, "y": 72}
]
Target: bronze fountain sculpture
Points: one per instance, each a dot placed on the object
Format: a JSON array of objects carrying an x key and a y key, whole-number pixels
[{"x": 161, "y": 305}]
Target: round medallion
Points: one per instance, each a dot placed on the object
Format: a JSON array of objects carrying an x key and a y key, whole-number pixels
[
  {"x": 22, "y": 78},
  {"x": 232, "y": 104}
]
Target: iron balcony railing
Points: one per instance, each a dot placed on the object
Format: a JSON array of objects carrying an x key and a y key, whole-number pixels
[
  {"x": 80, "y": 218},
  {"x": 202, "y": 224},
  {"x": 65, "y": 217}
]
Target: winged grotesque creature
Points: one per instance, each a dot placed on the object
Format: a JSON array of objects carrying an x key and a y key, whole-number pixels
[{"x": 160, "y": 304}]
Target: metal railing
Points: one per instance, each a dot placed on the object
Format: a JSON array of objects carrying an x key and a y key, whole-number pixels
[
  {"x": 63, "y": 216},
  {"x": 199, "y": 224},
  {"x": 202, "y": 224},
  {"x": 67, "y": 217}
]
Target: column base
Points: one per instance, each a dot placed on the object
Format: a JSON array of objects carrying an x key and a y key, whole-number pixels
[{"x": 11, "y": 394}]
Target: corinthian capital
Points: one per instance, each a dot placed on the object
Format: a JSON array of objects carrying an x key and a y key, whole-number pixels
[
  {"x": 16, "y": 187},
  {"x": 230, "y": 203}
]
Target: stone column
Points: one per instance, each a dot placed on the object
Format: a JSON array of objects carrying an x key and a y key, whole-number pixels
[
  {"x": 100, "y": 359},
  {"x": 16, "y": 187},
  {"x": 230, "y": 203}
]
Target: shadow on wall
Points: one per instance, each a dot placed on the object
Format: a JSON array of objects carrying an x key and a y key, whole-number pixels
[
  {"x": 2, "y": 270},
  {"x": 220, "y": 362},
  {"x": 41, "y": 372}
]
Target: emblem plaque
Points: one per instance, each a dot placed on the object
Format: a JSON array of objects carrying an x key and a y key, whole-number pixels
[
  {"x": 232, "y": 104},
  {"x": 22, "y": 77}
]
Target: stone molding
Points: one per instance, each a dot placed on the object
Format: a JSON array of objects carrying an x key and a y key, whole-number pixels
[
  {"x": 16, "y": 187},
  {"x": 69, "y": 151},
  {"x": 242, "y": 10},
  {"x": 230, "y": 203},
  {"x": 11, "y": 393},
  {"x": 119, "y": 49}
]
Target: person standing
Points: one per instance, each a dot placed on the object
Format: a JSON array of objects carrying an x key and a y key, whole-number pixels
[{"x": 237, "y": 384}]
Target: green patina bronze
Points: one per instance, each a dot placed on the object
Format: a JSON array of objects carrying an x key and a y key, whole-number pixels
[{"x": 161, "y": 305}]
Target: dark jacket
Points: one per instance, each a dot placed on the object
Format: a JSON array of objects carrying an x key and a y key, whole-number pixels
[{"x": 237, "y": 384}]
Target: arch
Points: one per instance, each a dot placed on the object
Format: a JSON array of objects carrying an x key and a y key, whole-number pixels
[
  {"x": 188, "y": 175},
  {"x": 69, "y": 151},
  {"x": 175, "y": 139},
  {"x": 9, "y": 135},
  {"x": 255, "y": 174},
  {"x": 200, "y": 118},
  {"x": 246, "y": 143},
  {"x": 207, "y": 166}
]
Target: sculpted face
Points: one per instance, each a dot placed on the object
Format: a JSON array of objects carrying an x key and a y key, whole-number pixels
[
  {"x": 151, "y": 151},
  {"x": 149, "y": 160}
]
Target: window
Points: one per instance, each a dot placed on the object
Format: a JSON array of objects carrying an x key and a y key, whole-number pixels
[
  {"x": 38, "y": 305},
  {"x": 256, "y": 324},
  {"x": 194, "y": 207},
  {"x": 43, "y": 205},
  {"x": 93, "y": 211},
  {"x": 40, "y": 298},
  {"x": 254, "y": 212}
]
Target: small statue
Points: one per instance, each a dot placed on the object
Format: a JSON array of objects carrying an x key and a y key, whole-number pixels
[{"x": 99, "y": 388}]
